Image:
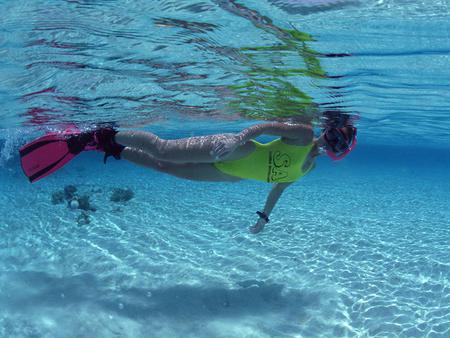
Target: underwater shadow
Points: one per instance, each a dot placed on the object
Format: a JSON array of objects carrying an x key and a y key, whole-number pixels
[{"x": 28, "y": 290}]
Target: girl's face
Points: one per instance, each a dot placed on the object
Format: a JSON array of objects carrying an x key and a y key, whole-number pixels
[{"x": 340, "y": 141}]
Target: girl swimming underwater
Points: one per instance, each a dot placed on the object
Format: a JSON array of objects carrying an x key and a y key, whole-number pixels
[{"x": 227, "y": 157}]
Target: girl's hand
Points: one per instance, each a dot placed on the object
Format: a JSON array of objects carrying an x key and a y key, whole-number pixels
[
  {"x": 225, "y": 146},
  {"x": 258, "y": 227}
]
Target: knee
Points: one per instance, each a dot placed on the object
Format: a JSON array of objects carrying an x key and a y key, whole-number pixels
[
  {"x": 165, "y": 150},
  {"x": 150, "y": 143}
]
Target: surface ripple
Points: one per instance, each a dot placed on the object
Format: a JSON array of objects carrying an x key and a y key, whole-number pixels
[{"x": 147, "y": 62}]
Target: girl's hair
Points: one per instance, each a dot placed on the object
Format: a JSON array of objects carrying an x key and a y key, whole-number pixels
[
  {"x": 341, "y": 126},
  {"x": 336, "y": 119}
]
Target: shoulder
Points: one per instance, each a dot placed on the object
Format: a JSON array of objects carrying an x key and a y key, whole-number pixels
[{"x": 303, "y": 135}]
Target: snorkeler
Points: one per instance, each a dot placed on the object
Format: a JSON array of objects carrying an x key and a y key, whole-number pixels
[{"x": 220, "y": 158}]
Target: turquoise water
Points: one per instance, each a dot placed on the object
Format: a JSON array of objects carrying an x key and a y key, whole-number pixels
[{"x": 358, "y": 248}]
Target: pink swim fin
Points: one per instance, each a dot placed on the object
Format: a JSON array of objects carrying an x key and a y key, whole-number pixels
[
  {"x": 45, "y": 155},
  {"x": 49, "y": 153}
]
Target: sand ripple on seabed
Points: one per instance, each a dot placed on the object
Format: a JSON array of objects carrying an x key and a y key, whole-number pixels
[
  {"x": 391, "y": 271},
  {"x": 186, "y": 250}
]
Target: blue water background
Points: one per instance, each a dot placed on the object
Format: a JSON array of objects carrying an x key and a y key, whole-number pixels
[{"x": 358, "y": 248}]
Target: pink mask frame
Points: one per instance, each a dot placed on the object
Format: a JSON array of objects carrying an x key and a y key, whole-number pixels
[{"x": 339, "y": 157}]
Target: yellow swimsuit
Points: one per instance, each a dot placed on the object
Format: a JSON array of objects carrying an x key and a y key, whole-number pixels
[{"x": 273, "y": 162}]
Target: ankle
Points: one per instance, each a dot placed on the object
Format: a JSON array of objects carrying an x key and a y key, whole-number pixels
[{"x": 79, "y": 142}]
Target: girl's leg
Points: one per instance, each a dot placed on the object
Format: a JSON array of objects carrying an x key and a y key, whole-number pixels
[
  {"x": 186, "y": 150},
  {"x": 190, "y": 171}
]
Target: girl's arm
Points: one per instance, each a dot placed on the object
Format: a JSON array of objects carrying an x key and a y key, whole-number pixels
[
  {"x": 299, "y": 132},
  {"x": 272, "y": 199}
]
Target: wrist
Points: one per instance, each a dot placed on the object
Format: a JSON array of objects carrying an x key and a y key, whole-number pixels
[{"x": 263, "y": 215}]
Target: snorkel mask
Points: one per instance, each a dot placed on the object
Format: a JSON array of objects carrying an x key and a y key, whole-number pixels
[{"x": 340, "y": 143}]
